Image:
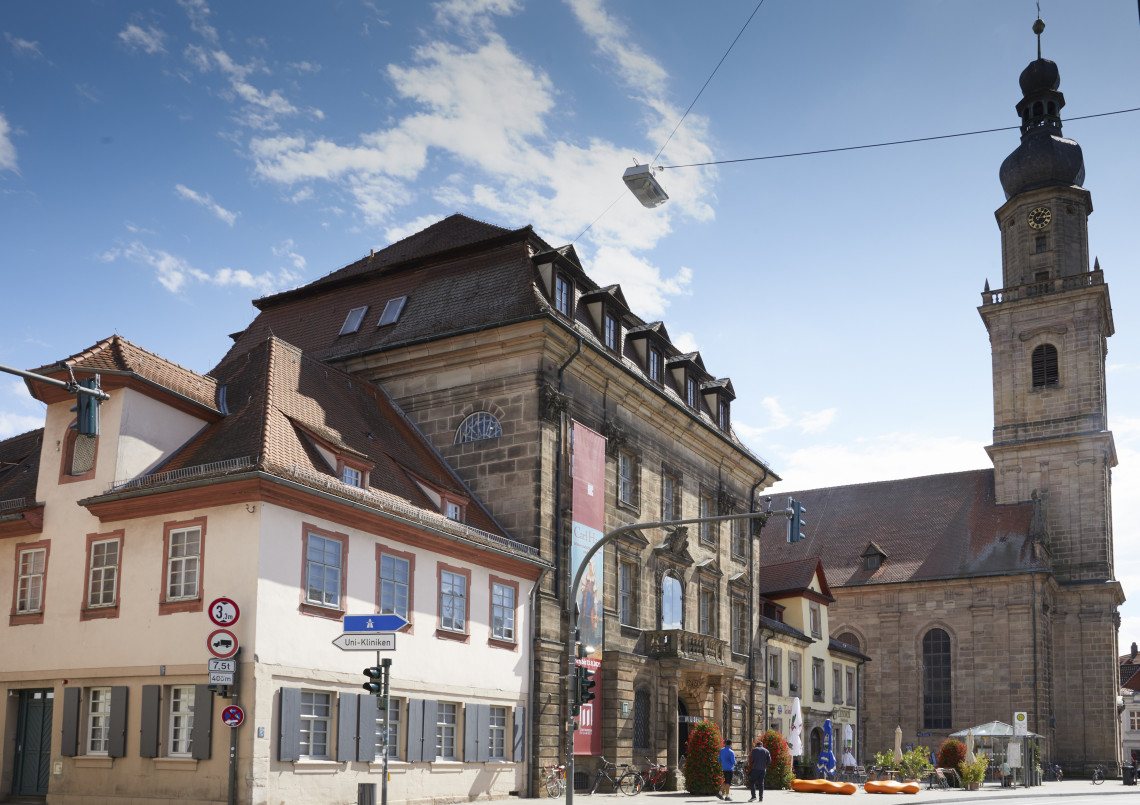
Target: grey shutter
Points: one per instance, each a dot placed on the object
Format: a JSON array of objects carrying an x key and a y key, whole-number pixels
[
  {"x": 366, "y": 714},
  {"x": 346, "y": 711},
  {"x": 70, "y": 746},
  {"x": 477, "y": 732},
  {"x": 289, "y": 737},
  {"x": 202, "y": 730},
  {"x": 117, "y": 737},
  {"x": 422, "y": 716},
  {"x": 518, "y": 747},
  {"x": 151, "y": 713}
]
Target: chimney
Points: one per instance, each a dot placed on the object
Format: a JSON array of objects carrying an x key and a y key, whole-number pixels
[{"x": 1133, "y": 657}]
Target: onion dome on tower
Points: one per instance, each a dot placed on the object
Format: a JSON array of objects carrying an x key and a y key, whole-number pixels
[{"x": 1044, "y": 157}]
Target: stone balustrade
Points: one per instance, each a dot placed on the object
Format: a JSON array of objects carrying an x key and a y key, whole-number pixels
[
  {"x": 677, "y": 643},
  {"x": 1055, "y": 285}
]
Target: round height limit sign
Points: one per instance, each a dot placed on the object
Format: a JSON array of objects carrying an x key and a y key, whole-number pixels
[{"x": 224, "y": 612}]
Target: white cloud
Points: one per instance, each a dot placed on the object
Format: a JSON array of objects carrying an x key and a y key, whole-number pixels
[
  {"x": 305, "y": 67},
  {"x": 473, "y": 15},
  {"x": 175, "y": 272},
  {"x": 817, "y": 421},
  {"x": 85, "y": 91},
  {"x": 19, "y": 411},
  {"x": 206, "y": 201},
  {"x": 287, "y": 249},
  {"x": 7, "y": 149},
  {"x": 396, "y": 233},
  {"x": 149, "y": 40},
  {"x": 686, "y": 342},
  {"x": 199, "y": 14},
  {"x": 23, "y": 48}
]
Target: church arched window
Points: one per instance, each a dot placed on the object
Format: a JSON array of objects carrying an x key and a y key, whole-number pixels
[
  {"x": 936, "y": 680},
  {"x": 850, "y": 639},
  {"x": 641, "y": 720},
  {"x": 1045, "y": 371},
  {"x": 479, "y": 425},
  {"x": 672, "y": 602}
]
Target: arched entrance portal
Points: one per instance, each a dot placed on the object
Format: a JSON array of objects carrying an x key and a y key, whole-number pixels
[
  {"x": 816, "y": 745},
  {"x": 682, "y": 727}
]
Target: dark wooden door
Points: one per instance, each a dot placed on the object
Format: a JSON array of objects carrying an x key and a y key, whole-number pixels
[{"x": 33, "y": 743}]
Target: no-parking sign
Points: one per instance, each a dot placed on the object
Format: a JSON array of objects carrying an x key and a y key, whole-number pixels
[{"x": 232, "y": 716}]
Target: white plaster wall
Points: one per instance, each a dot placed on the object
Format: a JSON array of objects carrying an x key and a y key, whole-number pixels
[{"x": 149, "y": 433}]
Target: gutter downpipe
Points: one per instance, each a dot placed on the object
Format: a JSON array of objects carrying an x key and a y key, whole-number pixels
[
  {"x": 529, "y": 761},
  {"x": 752, "y": 623}
]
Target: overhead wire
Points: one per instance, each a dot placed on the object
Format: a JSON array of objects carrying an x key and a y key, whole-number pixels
[{"x": 878, "y": 145}]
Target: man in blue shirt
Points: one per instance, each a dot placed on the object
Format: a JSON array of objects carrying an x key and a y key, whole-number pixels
[{"x": 727, "y": 764}]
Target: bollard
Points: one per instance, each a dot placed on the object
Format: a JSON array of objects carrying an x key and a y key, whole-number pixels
[{"x": 366, "y": 794}]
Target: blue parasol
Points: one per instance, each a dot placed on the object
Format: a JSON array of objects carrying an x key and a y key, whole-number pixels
[{"x": 826, "y": 763}]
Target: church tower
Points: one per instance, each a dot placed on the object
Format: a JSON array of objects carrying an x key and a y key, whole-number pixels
[{"x": 1049, "y": 326}]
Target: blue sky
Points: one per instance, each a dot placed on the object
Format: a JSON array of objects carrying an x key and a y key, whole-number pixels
[{"x": 163, "y": 164}]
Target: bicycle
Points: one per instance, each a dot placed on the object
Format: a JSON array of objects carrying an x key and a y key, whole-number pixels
[
  {"x": 628, "y": 782},
  {"x": 656, "y": 775},
  {"x": 738, "y": 777},
  {"x": 1097, "y": 776},
  {"x": 554, "y": 777}
]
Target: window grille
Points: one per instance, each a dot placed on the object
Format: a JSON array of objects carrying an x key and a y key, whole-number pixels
[
  {"x": 478, "y": 426},
  {"x": 641, "y": 720}
]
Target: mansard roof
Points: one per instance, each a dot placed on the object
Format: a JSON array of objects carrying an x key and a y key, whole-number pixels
[{"x": 931, "y": 527}]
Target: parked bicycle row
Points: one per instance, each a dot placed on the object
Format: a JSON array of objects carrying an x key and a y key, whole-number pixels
[{"x": 622, "y": 777}]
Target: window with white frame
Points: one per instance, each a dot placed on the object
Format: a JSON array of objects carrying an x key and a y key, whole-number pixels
[
  {"x": 670, "y": 497},
  {"x": 452, "y": 601},
  {"x": 739, "y": 627},
  {"x": 454, "y": 512},
  {"x": 837, "y": 683},
  {"x": 611, "y": 332},
  {"x": 1134, "y": 719},
  {"x": 708, "y": 530},
  {"x": 851, "y": 686},
  {"x": 817, "y": 679},
  {"x": 103, "y": 575},
  {"x": 691, "y": 392},
  {"x": 181, "y": 720},
  {"x": 503, "y": 611},
  {"x": 352, "y": 476},
  {"x": 625, "y": 477},
  {"x": 323, "y": 571},
  {"x": 497, "y": 743},
  {"x": 815, "y": 619},
  {"x": 183, "y": 563},
  {"x": 626, "y": 572},
  {"x": 707, "y": 601},
  {"x": 98, "y": 721},
  {"x": 316, "y": 716},
  {"x": 794, "y": 673},
  {"x": 30, "y": 580},
  {"x": 562, "y": 295},
  {"x": 395, "y": 576},
  {"x": 774, "y": 668},
  {"x": 672, "y": 602},
  {"x": 447, "y": 722},
  {"x": 393, "y": 727}
]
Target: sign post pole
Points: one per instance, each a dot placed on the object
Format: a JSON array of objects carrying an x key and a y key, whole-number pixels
[{"x": 386, "y": 664}]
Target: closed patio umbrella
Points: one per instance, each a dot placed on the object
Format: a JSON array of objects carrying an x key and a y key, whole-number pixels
[
  {"x": 898, "y": 745},
  {"x": 796, "y": 738},
  {"x": 970, "y": 747}
]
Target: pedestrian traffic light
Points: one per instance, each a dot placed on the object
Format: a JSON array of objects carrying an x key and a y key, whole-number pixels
[
  {"x": 585, "y": 685},
  {"x": 375, "y": 683},
  {"x": 797, "y": 522},
  {"x": 86, "y": 409}
]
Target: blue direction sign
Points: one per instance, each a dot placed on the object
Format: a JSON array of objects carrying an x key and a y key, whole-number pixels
[{"x": 374, "y": 623}]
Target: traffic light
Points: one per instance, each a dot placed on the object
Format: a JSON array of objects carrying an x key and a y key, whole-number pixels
[
  {"x": 86, "y": 409},
  {"x": 375, "y": 683},
  {"x": 797, "y": 521},
  {"x": 585, "y": 685}
]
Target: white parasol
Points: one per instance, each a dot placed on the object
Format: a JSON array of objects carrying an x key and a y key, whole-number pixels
[
  {"x": 970, "y": 748},
  {"x": 848, "y": 737},
  {"x": 898, "y": 745},
  {"x": 796, "y": 736}
]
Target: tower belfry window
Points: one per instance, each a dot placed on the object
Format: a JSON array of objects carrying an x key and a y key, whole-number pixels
[{"x": 1045, "y": 371}]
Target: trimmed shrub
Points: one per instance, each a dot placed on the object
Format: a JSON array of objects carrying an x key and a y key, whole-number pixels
[
  {"x": 779, "y": 773},
  {"x": 703, "y": 775},
  {"x": 951, "y": 753}
]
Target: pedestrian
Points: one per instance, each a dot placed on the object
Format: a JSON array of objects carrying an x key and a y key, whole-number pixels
[
  {"x": 727, "y": 765},
  {"x": 758, "y": 758}
]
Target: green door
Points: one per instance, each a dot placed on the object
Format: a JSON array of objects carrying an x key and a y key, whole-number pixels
[{"x": 33, "y": 743}]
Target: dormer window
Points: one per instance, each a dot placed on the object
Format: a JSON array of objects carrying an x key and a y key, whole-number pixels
[
  {"x": 722, "y": 415},
  {"x": 392, "y": 311},
  {"x": 654, "y": 365},
  {"x": 352, "y": 476},
  {"x": 691, "y": 391},
  {"x": 873, "y": 562},
  {"x": 562, "y": 295},
  {"x": 610, "y": 332},
  {"x": 352, "y": 320}
]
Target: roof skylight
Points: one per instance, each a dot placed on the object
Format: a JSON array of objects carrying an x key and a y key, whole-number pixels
[{"x": 352, "y": 320}]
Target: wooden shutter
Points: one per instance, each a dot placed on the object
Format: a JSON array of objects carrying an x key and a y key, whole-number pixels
[
  {"x": 477, "y": 732},
  {"x": 70, "y": 746},
  {"x": 117, "y": 736},
  {"x": 366, "y": 713},
  {"x": 151, "y": 717},
  {"x": 289, "y": 737},
  {"x": 518, "y": 747},
  {"x": 201, "y": 734},
  {"x": 346, "y": 711}
]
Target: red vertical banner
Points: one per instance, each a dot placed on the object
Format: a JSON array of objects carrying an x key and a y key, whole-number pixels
[{"x": 588, "y": 467}]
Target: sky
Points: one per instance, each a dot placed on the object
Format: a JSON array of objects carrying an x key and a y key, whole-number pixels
[{"x": 163, "y": 164}]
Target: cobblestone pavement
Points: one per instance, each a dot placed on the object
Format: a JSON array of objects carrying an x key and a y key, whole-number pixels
[{"x": 989, "y": 792}]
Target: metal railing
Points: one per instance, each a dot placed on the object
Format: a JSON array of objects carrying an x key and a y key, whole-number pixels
[
  {"x": 184, "y": 474},
  {"x": 14, "y": 503}
]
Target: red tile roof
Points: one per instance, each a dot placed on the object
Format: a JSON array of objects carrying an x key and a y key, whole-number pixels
[
  {"x": 787, "y": 578},
  {"x": 932, "y": 527},
  {"x": 19, "y": 467}
]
